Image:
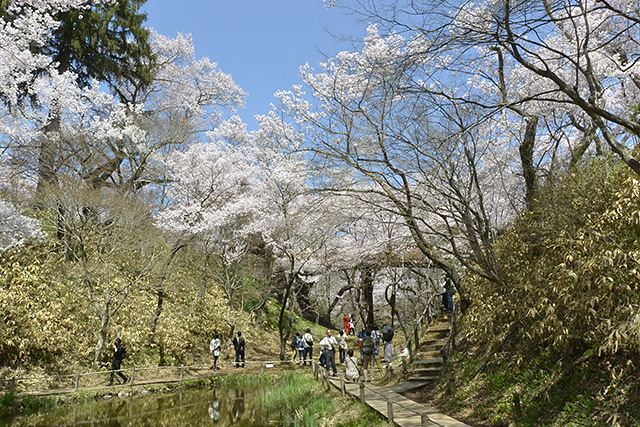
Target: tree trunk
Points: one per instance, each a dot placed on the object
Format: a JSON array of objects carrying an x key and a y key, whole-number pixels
[
  {"x": 285, "y": 330},
  {"x": 102, "y": 333},
  {"x": 368, "y": 276},
  {"x": 526, "y": 158}
]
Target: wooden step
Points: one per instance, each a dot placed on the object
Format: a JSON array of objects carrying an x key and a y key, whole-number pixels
[
  {"x": 436, "y": 334},
  {"x": 427, "y": 380},
  {"x": 430, "y": 348},
  {"x": 426, "y": 362},
  {"x": 425, "y": 354},
  {"x": 426, "y": 372},
  {"x": 433, "y": 341}
]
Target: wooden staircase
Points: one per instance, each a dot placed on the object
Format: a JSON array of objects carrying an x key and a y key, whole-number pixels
[{"x": 428, "y": 363}]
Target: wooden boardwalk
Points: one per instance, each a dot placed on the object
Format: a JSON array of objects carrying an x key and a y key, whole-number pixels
[{"x": 396, "y": 407}]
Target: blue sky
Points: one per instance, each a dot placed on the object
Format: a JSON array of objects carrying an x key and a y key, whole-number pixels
[{"x": 261, "y": 43}]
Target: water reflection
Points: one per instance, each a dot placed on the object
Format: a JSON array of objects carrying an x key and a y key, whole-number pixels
[{"x": 220, "y": 407}]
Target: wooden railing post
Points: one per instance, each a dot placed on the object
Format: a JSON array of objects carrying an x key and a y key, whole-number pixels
[
  {"x": 362, "y": 392},
  {"x": 181, "y": 373},
  {"x": 133, "y": 375},
  {"x": 77, "y": 381},
  {"x": 343, "y": 387},
  {"x": 390, "y": 410},
  {"x": 424, "y": 420}
]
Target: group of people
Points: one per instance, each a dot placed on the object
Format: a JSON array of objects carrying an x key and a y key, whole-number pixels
[
  {"x": 349, "y": 325},
  {"x": 368, "y": 344},
  {"x": 239, "y": 345},
  {"x": 302, "y": 345}
]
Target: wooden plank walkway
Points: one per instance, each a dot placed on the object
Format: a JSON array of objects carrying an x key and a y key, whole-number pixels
[{"x": 405, "y": 412}]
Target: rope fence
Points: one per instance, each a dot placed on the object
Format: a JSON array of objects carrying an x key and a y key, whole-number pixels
[{"x": 136, "y": 376}]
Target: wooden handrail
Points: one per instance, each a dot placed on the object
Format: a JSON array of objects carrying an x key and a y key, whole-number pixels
[
  {"x": 390, "y": 402},
  {"x": 430, "y": 305}
]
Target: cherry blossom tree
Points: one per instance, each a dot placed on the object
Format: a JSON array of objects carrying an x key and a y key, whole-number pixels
[
  {"x": 429, "y": 157},
  {"x": 579, "y": 58},
  {"x": 16, "y": 228}
]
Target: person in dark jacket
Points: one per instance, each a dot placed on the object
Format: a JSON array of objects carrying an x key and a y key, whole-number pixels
[
  {"x": 118, "y": 356},
  {"x": 238, "y": 345}
]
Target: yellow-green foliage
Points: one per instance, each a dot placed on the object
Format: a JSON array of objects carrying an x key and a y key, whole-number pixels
[
  {"x": 571, "y": 292},
  {"x": 51, "y": 323},
  {"x": 41, "y": 319}
]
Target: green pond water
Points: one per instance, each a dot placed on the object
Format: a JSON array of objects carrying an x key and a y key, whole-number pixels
[{"x": 202, "y": 407}]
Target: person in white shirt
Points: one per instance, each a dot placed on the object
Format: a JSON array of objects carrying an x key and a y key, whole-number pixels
[
  {"x": 329, "y": 345},
  {"x": 342, "y": 346},
  {"x": 308, "y": 346},
  {"x": 351, "y": 373},
  {"x": 214, "y": 348}
]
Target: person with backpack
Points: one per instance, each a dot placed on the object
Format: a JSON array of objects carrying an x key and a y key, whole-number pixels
[
  {"x": 214, "y": 348},
  {"x": 368, "y": 352},
  {"x": 447, "y": 295},
  {"x": 308, "y": 346},
  {"x": 239, "y": 345},
  {"x": 342, "y": 346},
  {"x": 300, "y": 343},
  {"x": 351, "y": 373},
  {"x": 294, "y": 347},
  {"x": 387, "y": 336},
  {"x": 329, "y": 345},
  {"x": 119, "y": 354},
  {"x": 376, "y": 335}
]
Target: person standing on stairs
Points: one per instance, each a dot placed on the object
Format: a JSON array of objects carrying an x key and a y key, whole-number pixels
[{"x": 447, "y": 295}]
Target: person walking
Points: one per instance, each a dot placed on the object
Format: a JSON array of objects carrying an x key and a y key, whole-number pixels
[
  {"x": 376, "y": 335},
  {"x": 300, "y": 344},
  {"x": 308, "y": 346},
  {"x": 119, "y": 354},
  {"x": 239, "y": 345},
  {"x": 387, "y": 336},
  {"x": 329, "y": 345},
  {"x": 346, "y": 324},
  {"x": 294, "y": 347},
  {"x": 447, "y": 295},
  {"x": 351, "y": 373},
  {"x": 214, "y": 348},
  {"x": 368, "y": 353},
  {"x": 342, "y": 346}
]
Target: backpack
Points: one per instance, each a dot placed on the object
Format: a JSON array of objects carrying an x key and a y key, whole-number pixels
[
  {"x": 387, "y": 333},
  {"x": 367, "y": 346},
  {"x": 309, "y": 341},
  {"x": 294, "y": 343}
]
